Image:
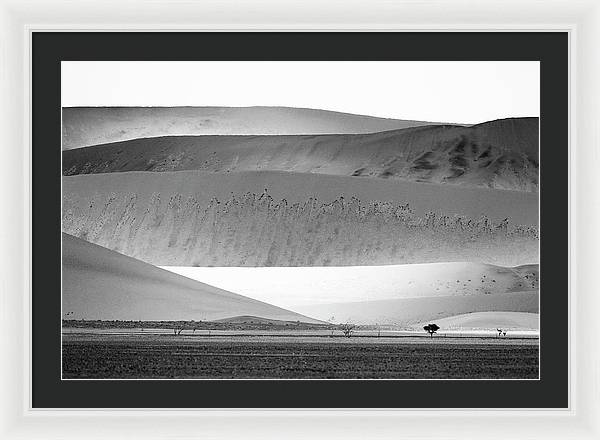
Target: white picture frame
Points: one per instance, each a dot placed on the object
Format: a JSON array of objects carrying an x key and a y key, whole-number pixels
[{"x": 17, "y": 22}]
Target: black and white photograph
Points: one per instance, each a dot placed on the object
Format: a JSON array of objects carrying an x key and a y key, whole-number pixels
[{"x": 300, "y": 220}]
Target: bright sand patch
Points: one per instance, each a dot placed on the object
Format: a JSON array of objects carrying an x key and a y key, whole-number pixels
[
  {"x": 305, "y": 286},
  {"x": 490, "y": 320}
]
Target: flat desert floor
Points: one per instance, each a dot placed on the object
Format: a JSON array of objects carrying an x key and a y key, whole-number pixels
[{"x": 316, "y": 355}]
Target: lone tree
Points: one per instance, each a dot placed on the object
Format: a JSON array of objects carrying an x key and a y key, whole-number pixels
[
  {"x": 431, "y": 329},
  {"x": 347, "y": 329}
]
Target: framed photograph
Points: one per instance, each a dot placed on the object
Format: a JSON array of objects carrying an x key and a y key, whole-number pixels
[
  {"x": 253, "y": 241},
  {"x": 331, "y": 218},
  {"x": 356, "y": 226}
]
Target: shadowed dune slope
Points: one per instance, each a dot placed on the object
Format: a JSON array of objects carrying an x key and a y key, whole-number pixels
[
  {"x": 102, "y": 284},
  {"x": 84, "y": 126},
  {"x": 500, "y": 154},
  {"x": 407, "y": 312},
  {"x": 171, "y": 219}
]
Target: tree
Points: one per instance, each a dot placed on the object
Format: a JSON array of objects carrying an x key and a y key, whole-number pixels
[
  {"x": 347, "y": 329},
  {"x": 431, "y": 329}
]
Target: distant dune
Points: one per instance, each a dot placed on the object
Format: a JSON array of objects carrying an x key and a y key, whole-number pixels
[
  {"x": 408, "y": 312},
  {"x": 499, "y": 154},
  {"x": 256, "y": 320},
  {"x": 289, "y": 287},
  {"x": 171, "y": 219},
  {"x": 84, "y": 126},
  {"x": 101, "y": 284},
  {"x": 490, "y": 321}
]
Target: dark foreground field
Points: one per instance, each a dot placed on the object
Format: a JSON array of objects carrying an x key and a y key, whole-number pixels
[{"x": 164, "y": 356}]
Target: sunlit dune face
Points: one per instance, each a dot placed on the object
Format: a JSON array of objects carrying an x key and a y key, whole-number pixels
[{"x": 303, "y": 286}]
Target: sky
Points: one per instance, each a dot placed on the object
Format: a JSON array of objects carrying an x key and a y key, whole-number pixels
[{"x": 466, "y": 92}]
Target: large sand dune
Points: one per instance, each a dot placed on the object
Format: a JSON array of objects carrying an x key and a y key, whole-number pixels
[
  {"x": 101, "y": 284},
  {"x": 519, "y": 207},
  {"x": 290, "y": 287},
  {"x": 194, "y": 218},
  {"x": 499, "y": 154},
  {"x": 84, "y": 126},
  {"x": 407, "y": 312}
]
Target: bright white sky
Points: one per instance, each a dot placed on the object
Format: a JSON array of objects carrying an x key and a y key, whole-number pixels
[{"x": 463, "y": 91}]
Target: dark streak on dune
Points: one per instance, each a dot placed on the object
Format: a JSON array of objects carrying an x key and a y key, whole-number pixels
[{"x": 256, "y": 230}]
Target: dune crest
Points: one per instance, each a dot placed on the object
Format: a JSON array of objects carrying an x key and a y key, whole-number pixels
[{"x": 84, "y": 126}]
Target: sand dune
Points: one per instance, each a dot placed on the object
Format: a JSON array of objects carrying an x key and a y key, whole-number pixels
[
  {"x": 84, "y": 126},
  {"x": 290, "y": 287},
  {"x": 520, "y": 207},
  {"x": 489, "y": 320},
  {"x": 169, "y": 219},
  {"x": 255, "y": 320},
  {"x": 101, "y": 284},
  {"x": 499, "y": 154},
  {"x": 407, "y": 312}
]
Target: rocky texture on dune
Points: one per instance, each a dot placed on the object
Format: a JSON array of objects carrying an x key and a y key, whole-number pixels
[
  {"x": 500, "y": 154},
  {"x": 256, "y": 230}
]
